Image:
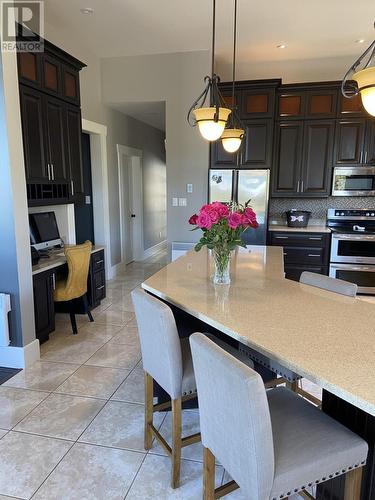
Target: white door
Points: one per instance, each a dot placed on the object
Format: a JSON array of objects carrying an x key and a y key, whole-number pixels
[{"x": 131, "y": 205}]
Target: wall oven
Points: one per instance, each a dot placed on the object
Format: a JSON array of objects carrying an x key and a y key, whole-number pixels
[
  {"x": 353, "y": 247},
  {"x": 358, "y": 181}
]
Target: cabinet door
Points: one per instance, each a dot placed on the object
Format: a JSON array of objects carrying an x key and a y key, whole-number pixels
[
  {"x": 257, "y": 104},
  {"x": 54, "y": 123},
  {"x": 43, "y": 305},
  {"x": 70, "y": 84},
  {"x": 257, "y": 147},
  {"x": 74, "y": 151},
  {"x": 317, "y": 158},
  {"x": 321, "y": 104},
  {"x": 29, "y": 68},
  {"x": 349, "y": 142},
  {"x": 369, "y": 154},
  {"x": 51, "y": 70},
  {"x": 292, "y": 105},
  {"x": 34, "y": 141},
  {"x": 350, "y": 107},
  {"x": 288, "y": 156},
  {"x": 219, "y": 158}
]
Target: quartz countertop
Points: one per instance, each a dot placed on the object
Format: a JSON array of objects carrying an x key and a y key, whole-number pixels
[
  {"x": 325, "y": 337},
  {"x": 56, "y": 258},
  {"x": 309, "y": 229}
]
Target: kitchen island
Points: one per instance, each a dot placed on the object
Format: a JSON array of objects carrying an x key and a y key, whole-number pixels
[{"x": 325, "y": 337}]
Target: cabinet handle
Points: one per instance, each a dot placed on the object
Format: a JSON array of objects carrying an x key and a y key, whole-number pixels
[
  {"x": 298, "y": 186},
  {"x": 361, "y": 157},
  {"x": 53, "y": 279},
  {"x": 285, "y": 254},
  {"x": 281, "y": 237},
  {"x": 100, "y": 261},
  {"x": 100, "y": 287},
  {"x": 319, "y": 238},
  {"x": 72, "y": 186},
  {"x": 53, "y": 171},
  {"x": 49, "y": 171},
  {"x": 302, "y": 186},
  {"x": 314, "y": 255},
  {"x": 365, "y": 160}
]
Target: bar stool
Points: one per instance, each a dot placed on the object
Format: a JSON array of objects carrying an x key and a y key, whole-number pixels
[
  {"x": 328, "y": 283},
  {"x": 273, "y": 444},
  {"x": 75, "y": 286},
  {"x": 167, "y": 360}
]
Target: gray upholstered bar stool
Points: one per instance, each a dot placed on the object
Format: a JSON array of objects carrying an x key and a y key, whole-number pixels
[
  {"x": 167, "y": 359},
  {"x": 273, "y": 444},
  {"x": 327, "y": 283}
]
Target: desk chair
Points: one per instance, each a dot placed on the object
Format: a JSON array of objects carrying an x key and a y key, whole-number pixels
[
  {"x": 75, "y": 286},
  {"x": 167, "y": 359},
  {"x": 273, "y": 444}
]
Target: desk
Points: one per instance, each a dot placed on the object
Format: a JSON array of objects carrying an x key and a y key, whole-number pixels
[
  {"x": 325, "y": 337},
  {"x": 45, "y": 274}
]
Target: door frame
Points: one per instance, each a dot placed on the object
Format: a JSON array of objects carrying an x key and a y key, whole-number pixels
[
  {"x": 138, "y": 244},
  {"x": 100, "y": 193}
]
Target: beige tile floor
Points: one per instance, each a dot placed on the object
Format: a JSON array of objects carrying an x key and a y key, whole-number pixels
[{"x": 71, "y": 425}]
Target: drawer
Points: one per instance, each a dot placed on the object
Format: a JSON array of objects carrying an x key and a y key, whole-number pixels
[
  {"x": 294, "y": 272},
  {"x": 298, "y": 255},
  {"x": 98, "y": 286},
  {"x": 97, "y": 261},
  {"x": 298, "y": 239}
]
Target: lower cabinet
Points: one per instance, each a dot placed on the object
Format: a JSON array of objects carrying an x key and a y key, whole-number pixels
[
  {"x": 96, "y": 280},
  {"x": 302, "y": 252},
  {"x": 44, "y": 309}
]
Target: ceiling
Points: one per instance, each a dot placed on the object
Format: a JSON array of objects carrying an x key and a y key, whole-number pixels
[{"x": 311, "y": 30}]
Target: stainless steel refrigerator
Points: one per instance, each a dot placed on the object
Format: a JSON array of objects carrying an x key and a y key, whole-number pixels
[{"x": 241, "y": 186}]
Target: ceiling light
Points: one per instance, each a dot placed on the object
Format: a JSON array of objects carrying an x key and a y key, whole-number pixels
[
  {"x": 361, "y": 40},
  {"x": 211, "y": 119},
  {"x": 232, "y": 136},
  {"x": 281, "y": 46},
  {"x": 362, "y": 81},
  {"x": 87, "y": 10}
]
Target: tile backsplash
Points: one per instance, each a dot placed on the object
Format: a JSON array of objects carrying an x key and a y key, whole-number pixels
[{"x": 317, "y": 206}]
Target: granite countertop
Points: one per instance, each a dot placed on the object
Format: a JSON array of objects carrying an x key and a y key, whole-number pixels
[
  {"x": 325, "y": 337},
  {"x": 56, "y": 259},
  {"x": 314, "y": 226}
]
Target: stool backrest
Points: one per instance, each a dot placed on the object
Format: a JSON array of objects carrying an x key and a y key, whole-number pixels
[
  {"x": 78, "y": 259},
  {"x": 234, "y": 416},
  {"x": 160, "y": 342},
  {"x": 328, "y": 283}
]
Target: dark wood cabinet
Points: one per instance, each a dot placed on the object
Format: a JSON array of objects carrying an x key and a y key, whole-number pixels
[
  {"x": 258, "y": 103},
  {"x": 70, "y": 84},
  {"x": 287, "y": 159},
  {"x": 303, "y": 251},
  {"x": 349, "y": 142},
  {"x": 96, "y": 288},
  {"x": 316, "y": 171},
  {"x": 54, "y": 111},
  {"x": 74, "y": 152},
  {"x": 291, "y": 105},
  {"x": 321, "y": 103},
  {"x": 34, "y": 136},
  {"x": 303, "y": 158},
  {"x": 44, "y": 310},
  {"x": 308, "y": 101},
  {"x": 350, "y": 107},
  {"x": 51, "y": 75},
  {"x": 30, "y": 68},
  {"x": 256, "y": 151},
  {"x": 369, "y": 154}
]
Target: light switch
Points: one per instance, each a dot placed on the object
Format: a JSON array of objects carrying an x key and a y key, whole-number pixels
[
  {"x": 182, "y": 202},
  {"x": 174, "y": 202},
  {"x": 189, "y": 188},
  {"x": 88, "y": 200}
]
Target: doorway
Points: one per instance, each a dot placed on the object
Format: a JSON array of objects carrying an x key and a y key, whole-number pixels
[{"x": 131, "y": 203}]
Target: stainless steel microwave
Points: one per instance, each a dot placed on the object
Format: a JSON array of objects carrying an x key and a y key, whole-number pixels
[{"x": 357, "y": 181}]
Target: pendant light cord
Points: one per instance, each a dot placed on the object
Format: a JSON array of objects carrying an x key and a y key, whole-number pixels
[
  {"x": 234, "y": 50},
  {"x": 213, "y": 38}
]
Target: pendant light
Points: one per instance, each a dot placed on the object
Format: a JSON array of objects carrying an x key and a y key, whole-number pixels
[
  {"x": 234, "y": 132},
  {"x": 211, "y": 120},
  {"x": 364, "y": 80}
]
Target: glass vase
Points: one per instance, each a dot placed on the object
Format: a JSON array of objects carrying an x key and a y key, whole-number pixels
[{"x": 222, "y": 267}]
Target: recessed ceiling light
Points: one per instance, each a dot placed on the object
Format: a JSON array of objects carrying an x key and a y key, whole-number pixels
[
  {"x": 361, "y": 40},
  {"x": 87, "y": 10},
  {"x": 281, "y": 46}
]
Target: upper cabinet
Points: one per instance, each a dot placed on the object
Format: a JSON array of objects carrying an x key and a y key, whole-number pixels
[
  {"x": 51, "y": 125},
  {"x": 307, "y": 101}
]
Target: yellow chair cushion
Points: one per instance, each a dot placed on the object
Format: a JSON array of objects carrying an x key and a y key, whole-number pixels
[{"x": 78, "y": 259}]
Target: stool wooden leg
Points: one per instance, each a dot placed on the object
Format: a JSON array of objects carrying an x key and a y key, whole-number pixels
[
  {"x": 208, "y": 475},
  {"x": 353, "y": 482},
  {"x": 176, "y": 442},
  {"x": 149, "y": 399}
]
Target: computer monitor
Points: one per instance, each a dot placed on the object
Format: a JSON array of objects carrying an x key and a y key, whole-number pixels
[{"x": 44, "y": 232}]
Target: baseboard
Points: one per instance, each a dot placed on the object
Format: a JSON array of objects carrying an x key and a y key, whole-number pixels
[
  {"x": 116, "y": 269},
  {"x": 20, "y": 357},
  {"x": 150, "y": 252}
]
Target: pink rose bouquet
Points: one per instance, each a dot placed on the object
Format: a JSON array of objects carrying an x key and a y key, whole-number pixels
[{"x": 222, "y": 228}]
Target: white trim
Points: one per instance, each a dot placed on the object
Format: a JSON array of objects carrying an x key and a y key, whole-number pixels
[
  {"x": 20, "y": 357},
  {"x": 99, "y": 172},
  {"x": 150, "y": 252},
  {"x": 138, "y": 249}
]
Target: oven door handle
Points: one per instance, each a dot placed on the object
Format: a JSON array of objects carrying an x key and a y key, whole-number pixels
[
  {"x": 352, "y": 237},
  {"x": 353, "y": 268}
]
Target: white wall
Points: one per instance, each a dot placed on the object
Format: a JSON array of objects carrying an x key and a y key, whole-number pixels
[{"x": 64, "y": 218}]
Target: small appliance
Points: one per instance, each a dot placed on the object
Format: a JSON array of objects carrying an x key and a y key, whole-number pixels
[{"x": 356, "y": 181}]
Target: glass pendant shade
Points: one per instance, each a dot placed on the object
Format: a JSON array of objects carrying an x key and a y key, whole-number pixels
[
  {"x": 366, "y": 85},
  {"x": 232, "y": 138},
  {"x": 210, "y": 129}
]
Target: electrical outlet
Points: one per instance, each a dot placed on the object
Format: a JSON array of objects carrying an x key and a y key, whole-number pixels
[
  {"x": 182, "y": 202},
  {"x": 189, "y": 188},
  {"x": 174, "y": 202}
]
